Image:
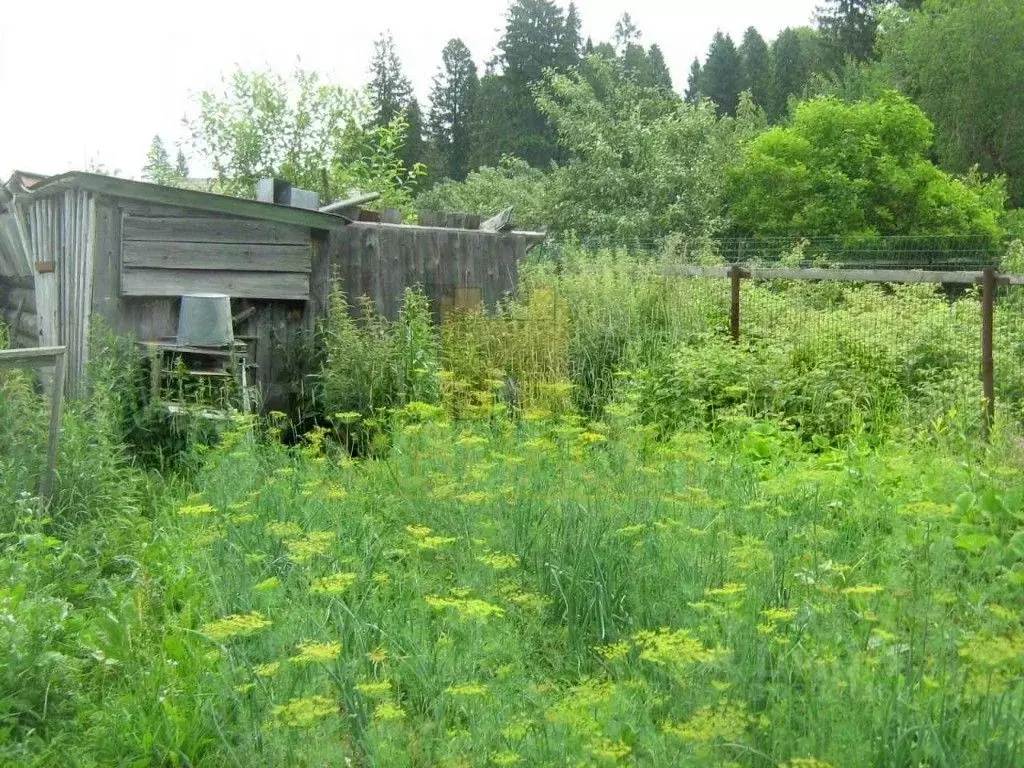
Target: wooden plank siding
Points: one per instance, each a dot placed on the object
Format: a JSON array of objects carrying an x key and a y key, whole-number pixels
[
  {"x": 169, "y": 252},
  {"x": 455, "y": 267}
]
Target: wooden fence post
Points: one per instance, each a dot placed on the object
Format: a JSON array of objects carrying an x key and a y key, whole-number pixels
[
  {"x": 988, "y": 300},
  {"x": 735, "y": 273}
]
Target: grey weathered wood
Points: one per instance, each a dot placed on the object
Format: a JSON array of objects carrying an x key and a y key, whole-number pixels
[
  {"x": 106, "y": 257},
  {"x": 34, "y": 357},
  {"x": 391, "y": 216},
  {"x": 503, "y": 221},
  {"x": 241, "y": 285},
  {"x": 431, "y": 218},
  {"x": 53, "y": 444},
  {"x": 242, "y": 257},
  {"x": 207, "y": 229}
]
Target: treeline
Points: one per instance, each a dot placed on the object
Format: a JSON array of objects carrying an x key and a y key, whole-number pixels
[{"x": 895, "y": 117}]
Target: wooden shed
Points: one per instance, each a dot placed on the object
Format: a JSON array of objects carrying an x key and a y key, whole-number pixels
[{"x": 82, "y": 245}]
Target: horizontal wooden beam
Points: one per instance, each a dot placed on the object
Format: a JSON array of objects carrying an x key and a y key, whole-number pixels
[
  {"x": 240, "y": 285},
  {"x": 239, "y": 257},
  {"x": 31, "y": 357},
  {"x": 207, "y": 229},
  {"x": 843, "y": 275}
]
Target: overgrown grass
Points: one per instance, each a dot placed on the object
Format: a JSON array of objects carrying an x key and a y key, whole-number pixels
[{"x": 593, "y": 531}]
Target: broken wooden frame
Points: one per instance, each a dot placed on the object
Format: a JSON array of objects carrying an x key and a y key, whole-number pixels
[
  {"x": 987, "y": 278},
  {"x": 44, "y": 357}
]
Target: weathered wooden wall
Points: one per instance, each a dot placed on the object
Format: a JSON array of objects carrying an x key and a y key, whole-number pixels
[
  {"x": 163, "y": 239},
  {"x": 170, "y": 252},
  {"x": 453, "y": 266}
]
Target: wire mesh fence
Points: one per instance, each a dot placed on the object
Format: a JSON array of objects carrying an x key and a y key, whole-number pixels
[{"x": 798, "y": 338}]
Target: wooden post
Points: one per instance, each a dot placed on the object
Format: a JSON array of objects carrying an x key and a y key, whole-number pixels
[
  {"x": 735, "y": 273},
  {"x": 988, "y": 300},
  {"x": 56, "y": 407}
]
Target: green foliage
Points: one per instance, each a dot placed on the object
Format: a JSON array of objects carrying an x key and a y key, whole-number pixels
[
  {"x": 370, "y": 366},
  {"x": 857, "y": 170},
  {"x": 489, "y": 190},
  {"x": 390, "y": 90},
  {"x": 757, "y": 74},
  {"x": 311, "y": 133},
  {"x": 793, "y": 58},
  {"x": 642, "y": 165},
  {"x": 848, "y": 29},
  {"x": 956, "y": 60}
]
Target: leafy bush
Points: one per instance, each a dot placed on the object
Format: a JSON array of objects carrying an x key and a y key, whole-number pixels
[
  {"x": 486, "y": 191},
  {"x": 857, "y": 171}
]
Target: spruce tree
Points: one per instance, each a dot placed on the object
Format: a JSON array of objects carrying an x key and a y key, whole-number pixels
[
  {"x": 571, "y": 44},
  {"x": 390, "y": 89},
  {"x": 757, "y": 74},
  {"x": 626, "y": 34},
  {"x": 849, "y": 28},
  {"x": 415, "y": 149},
  {"x": 158, "y": 168},
  {"x": 658, "y": 75},
  {"x": 693, "y": 84},
  {"x": 452, "y": 102},
  {"x": 722, "y": 77},
  {"x": 181, "y": 165},
  {"x": 790, "y": 72}
]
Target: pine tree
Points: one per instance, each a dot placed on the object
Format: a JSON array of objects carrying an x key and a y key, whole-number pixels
[
  {"x": 790, "y": 72},
  {"x": 158, "y": 168},
  {"x": 452, "y": 103},
  {"x": 532, "y": 42},
  {"x": 415, "y": 148},
  {"x": 181, "y": 165},
  {"x": 722, "y": 78},
  {"x": 849, "y": 28},
  {"x": 757, "y": 73},
  {"x": 390, "y": 89},
  {"x": 571, "y": 44},
  {"x": 693, "y": 84},
  {"x": 658, "y": 75}
]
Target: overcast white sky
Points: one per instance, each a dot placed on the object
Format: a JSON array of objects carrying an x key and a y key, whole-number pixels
[{"x": 95, "y": 79}]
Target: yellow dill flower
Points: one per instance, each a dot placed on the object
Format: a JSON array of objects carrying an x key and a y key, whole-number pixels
[
  {"x": 674, "y": 648},
  {"x": 466, "y": 608},
  {"x": 244, "y": 687},
  {"x": 213, "y": 656},
  {"x": 862, "y": 590},
  {"x": 779, "y": 614},
  {"x": 196, "y": 510},
  {"x": 387, "y": 712},
  {"x": 471, "y": 440},
  {"x": 630, "y": 530},
  {"x": 805, "y": 762},
  {"x": 208, "y": 536},
  {"x": 530, "y": 601},
  {"x": 505, "y": 757},
  {"x": 374, "y": 690},
  {"x": 474, "y": 497},
  {"x": 284, "y": 530},
  {"x": 284, "y": 471},
  {"x": 613, "y": 652},
  {"x": 235, "y": 625},
  {"x": 378, "y": 655},
  {"x": 268, "y": 585},
  {"x": 606, "y": 749},
  {"x": 335, "y": 494},
  {"x": 498, "y": 561},
  {"x": 309, "y": 546},
  {"x": 268, "y": 670},
  {"x": 728, "y": 590},
  {"x": 434, "y": 542},
  {"x": 244, "y": 517},
  {"x": 312, "y": 653},
  {"x": 299, "y": 713},
  {"x": 517, "y": 729},
  {"x": 726, "y": 722},
  {"x": 467, "y": 689},
  {"x": 418, "y": 531},
  {"x": 334, "y": 584},
  {"x": 591, "y": 438},
  {"x": 239, "y": 506}
]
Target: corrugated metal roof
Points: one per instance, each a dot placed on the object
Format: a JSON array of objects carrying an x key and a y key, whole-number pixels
[{"x": 39, "y": 187}]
